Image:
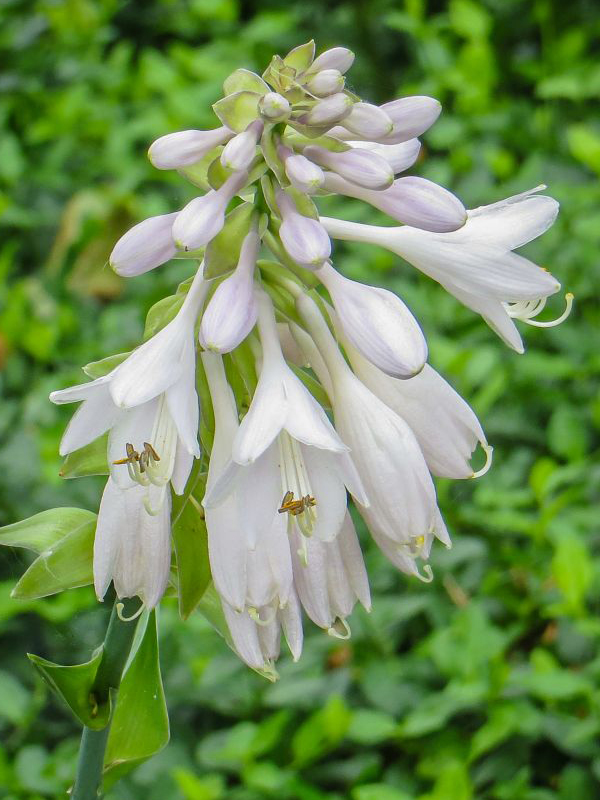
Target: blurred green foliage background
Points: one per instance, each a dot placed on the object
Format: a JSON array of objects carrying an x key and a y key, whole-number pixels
[{"x": 484, "y": 684}]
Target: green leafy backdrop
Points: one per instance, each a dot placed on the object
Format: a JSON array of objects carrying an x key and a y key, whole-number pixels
[{"x": 482, "y": 685}]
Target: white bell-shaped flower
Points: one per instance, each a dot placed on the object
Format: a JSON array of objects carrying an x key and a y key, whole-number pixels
[
  {"x": 475, "y": 262},
  {"x": 377, "y": 323}
]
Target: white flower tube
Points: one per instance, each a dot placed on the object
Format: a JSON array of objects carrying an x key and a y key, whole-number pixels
[
  {"x": 361, "y": 167},
  {"x": 239, "y": 152},
  {"x": 368, "y": 121},
  {"x": 145, "y": 246},
  {"x": 231, "y": 312},
  {"x": 377, "y": 323},
  {"x": 304, "y": 238},
  {"x": 131, "y": 547},
  {"x": 203, "y": 217},
  {"x": 413, "y": 201},
  {"x": 387, "y": 455},
  {"x": 445, "y": 425},
  {"x": 183, "y": 148},
  {"x": 475, "y": 262},
  {"x": 329, "y": 111},
  {"x": 339, "y": 58},
  {"x": 325, "y": 82},
  {"x": 399, "y": 156}
]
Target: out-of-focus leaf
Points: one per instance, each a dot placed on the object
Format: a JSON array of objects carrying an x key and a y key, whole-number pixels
[{"x": 45, "y": 529}]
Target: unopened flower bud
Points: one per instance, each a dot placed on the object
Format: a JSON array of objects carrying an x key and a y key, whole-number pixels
[
  {"x": 339, "y": 58},
  {"x": 411, "y": 116},
  {"x": 302, "y": 173},
  {"x": 185, "y": 147},
  {"x": 328, "y": 111},
  {"x": 203, "y": 217},
  {"x": 304, "y": 239},
  {"x": 368, "y": 121},
  {"x": 377, "y": 323},
  {"x": 231, "y": 312},
  {"x": 399, "y": 156},
  {"x": 326, "y": 82},
  {"x": 147, "y": 245},
  {"x": 358, "y": 166},
  {"x": 274, "y": 107},
  {"x": 239, "y": 151}
]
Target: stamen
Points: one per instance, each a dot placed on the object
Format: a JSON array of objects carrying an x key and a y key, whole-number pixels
[
  {"x": 428, "y": 577},
  {"x": 121, "y": 606},
  {"x": 488, "y": 450},
  {"x": 255, "y": 616},
  {"x": 340, "y": 629},
  {"x": 526, "y": 310},
  {"x": 295, "y": 482}
]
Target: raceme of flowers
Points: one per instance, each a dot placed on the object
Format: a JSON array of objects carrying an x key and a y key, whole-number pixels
[{"x": 316, "y": 386}]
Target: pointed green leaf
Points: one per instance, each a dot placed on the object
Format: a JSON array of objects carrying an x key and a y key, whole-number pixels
[
  {"x": 223, "y": 252},
  {"x": 238, "y": 110},
  {"x": 191, "y": 547},
  {"x": 64, "y": 565},
  {"x": 41, "y": 531},
  {"x": 73, "y": 685},
  {"x": 140, "y": 724},
  {"x": 97, "y": 369},
  {"x": 88, "y": 460},
  {"x": 301, "y": 57},
  {"x": 243, "y": 79}
]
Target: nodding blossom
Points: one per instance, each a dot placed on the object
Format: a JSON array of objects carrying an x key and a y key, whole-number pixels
[{"x": 306, "y": 388}]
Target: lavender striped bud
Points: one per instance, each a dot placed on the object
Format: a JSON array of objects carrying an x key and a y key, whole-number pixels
[
  {"x": 399, "y": 156},
  {"x": 304, "y": 239},
  {"x": 232, "y": 310},
  {"x": 358, "y": 166},
  {"x": 203, "y": 217},
  {"x": 239, "y": 152},
  {"x": 274, "y": 107},
  {"x": 302, "y": 173},
  {"x": 339, "y": 58},
  {"x": 411, "y": 116},
  {"x": 413, "y": 201},
  {"x": 147, "y": 245},
  {"x": 368, "y": 121},
  {"x": 377, "y": 323},
  {"x": 325, "y": 82},
  {"x": 329, "y": 111},
  {"x": 185, "y": 147}
]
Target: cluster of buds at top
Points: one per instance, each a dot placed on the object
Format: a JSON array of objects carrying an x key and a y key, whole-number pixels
[{"x": 268, "y": 303}]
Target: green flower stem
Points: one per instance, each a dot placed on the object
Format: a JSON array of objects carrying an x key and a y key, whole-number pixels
[{"x": 116, "y": 649}]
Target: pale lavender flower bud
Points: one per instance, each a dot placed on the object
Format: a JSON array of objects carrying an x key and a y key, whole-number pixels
[
  {"x": 185, "y": 147},
  {"x": 399, "y": 156},
  {"x": 368, "y": 121},
  {"x": 328, "y": 111},
  {"x": 304, "y": 239},
  {"x": 413, "y": 201},
  {"x": 339, "y": 58},
  {"x": 377, "y": 323},
  {"x": 325, "y": 82},
  {"x": 147, "y": 245},
  {"x": 358, "y": 166},
  {"x": 302, "y": 173},
  {"x": 411, "y": 116},
  {"x": 274, "y": 107},
  {"x": 231, "y": 312},
  {"x": 203, "y": 217},
  {"x": 239, "y": 151}
]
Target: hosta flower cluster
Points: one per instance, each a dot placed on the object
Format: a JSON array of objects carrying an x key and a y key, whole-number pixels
[{"x": 312, "y": 386}]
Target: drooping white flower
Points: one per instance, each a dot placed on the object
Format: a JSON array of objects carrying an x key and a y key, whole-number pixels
[
  {"x": 445, "y": 425},
  {"x": 183, "y": 148},
  {"x": 304, "y": 238},
  {"x": 145, "y": 246},
  {"x": 132, "y": 547},
  {"x": 412, "y": 200},
  {"x": 359, "y": 166},
  {"x": 475, "y": 262},
  {"x": 239, "y": 152},
  {"x": 231, "y": 312},
  {"x": 203, "y": 217},
  {"x": 368, "y": 121},
  {"x": 377, "y": 323},
  {"x": 387, "y": 455}
]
